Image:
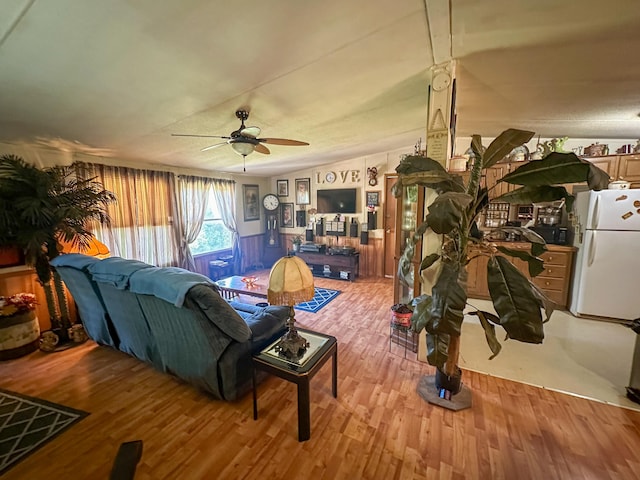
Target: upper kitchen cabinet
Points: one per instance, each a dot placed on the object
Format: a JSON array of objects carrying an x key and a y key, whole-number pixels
[{"x": 620, "y": 167}]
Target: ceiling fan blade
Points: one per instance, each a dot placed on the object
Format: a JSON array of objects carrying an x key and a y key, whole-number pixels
[
  {"x": 282, "y": 141},
  {"x": 215, "y": 145},
  {"x": 252, "y": 132},
  {"x": 203, "y": 136},
  {"x": 262, "y": 149}
]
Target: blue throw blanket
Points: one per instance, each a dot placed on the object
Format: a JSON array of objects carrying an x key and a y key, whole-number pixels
[
  {"x": 116, "y": 271},
  {"x": 170, "y": 283}
]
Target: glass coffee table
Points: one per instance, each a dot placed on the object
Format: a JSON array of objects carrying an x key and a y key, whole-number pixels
[
  {"x": 299, "y": 371},
  {"x": 231, "y": 286}
]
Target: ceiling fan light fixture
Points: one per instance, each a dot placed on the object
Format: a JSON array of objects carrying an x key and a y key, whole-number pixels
[{"x": 243, "y": 148}]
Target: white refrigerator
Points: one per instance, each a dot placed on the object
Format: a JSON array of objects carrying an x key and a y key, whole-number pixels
[{"x": 606, "y": 280}]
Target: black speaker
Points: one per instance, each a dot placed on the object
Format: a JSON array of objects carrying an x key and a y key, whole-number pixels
[
  {"x": 353, "y": 229},
  {"x": 364, "y": 237},
  {"x": 320, "y": 228},
  {"x": 372, "y": 220},
  {"x": 308, "y": 235},
  {"x": 301, "y": 218}
]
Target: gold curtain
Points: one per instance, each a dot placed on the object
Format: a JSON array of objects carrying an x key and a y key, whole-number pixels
[{"x": 142, "y": 218}]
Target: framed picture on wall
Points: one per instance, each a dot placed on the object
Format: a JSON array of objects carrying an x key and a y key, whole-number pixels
[
  {"x": 287, "y": 215},
  {"x": 373, "y": 199},
  {"x": 282, "y": 187},
  {"x": 303, "y": 191},
  {"x": 250, "y": 206}
]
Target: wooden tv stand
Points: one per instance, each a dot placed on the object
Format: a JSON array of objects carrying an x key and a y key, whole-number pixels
[{"x": 342, "y": 267}]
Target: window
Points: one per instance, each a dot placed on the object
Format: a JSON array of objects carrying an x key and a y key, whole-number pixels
[{"x": 214, "y": 235}]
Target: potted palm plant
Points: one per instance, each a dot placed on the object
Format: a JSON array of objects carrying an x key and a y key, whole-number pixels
[
  {"x": 41, "y": 207},
  {"x": 521, "y": 307}
]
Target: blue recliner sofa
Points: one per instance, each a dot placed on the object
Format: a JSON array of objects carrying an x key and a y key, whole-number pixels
[{"x": 172, "y": 319}]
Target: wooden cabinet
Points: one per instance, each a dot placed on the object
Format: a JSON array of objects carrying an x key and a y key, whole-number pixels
[
  {"x": 620, "y": 167},
  {"x": 491, "y": 178},
  {"x": 342, "y": 267},
  {"x": 554, "y": 281}
]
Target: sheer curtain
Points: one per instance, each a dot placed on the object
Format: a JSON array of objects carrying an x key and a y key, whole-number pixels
[
  {"x": 192, "y": 202},
  {"x": 225, "y": 195},
  {"x": 142, "y": 218}
]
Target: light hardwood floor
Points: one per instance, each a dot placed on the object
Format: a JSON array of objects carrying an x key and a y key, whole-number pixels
[{"x": 377, "y": 428}]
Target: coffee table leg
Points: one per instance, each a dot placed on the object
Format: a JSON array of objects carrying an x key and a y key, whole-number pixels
[
  {"x": 255, "y": 395},
  {"x": 304, "y": 413}
]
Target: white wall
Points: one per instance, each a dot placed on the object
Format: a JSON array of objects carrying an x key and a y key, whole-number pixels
[{"x": 350, "y": 173}]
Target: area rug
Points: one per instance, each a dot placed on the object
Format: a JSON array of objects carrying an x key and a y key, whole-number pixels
[
  {"x": 28, "y": 423},
  {"x": 321, "y": 298}
]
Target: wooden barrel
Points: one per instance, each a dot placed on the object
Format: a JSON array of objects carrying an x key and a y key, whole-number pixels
[{"x": 19, "y": 335}]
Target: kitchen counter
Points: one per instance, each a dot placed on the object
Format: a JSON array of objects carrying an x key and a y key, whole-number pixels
[{"x": 554, "y": 281}]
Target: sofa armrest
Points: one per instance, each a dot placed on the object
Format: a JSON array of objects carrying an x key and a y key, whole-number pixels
[{"x": 218, "y": 311}]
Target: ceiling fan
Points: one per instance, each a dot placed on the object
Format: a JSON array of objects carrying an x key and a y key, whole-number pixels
[{"x": 244, "y": 140}]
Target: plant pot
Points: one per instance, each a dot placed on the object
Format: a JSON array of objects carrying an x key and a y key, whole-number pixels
[
  {"x": 19, "y": 335},
  {"x": 10, "y": 256},
  {"x": 451, "y": 383}
]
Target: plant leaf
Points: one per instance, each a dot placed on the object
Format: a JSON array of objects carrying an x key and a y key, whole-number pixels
[
  {"x": 489, "y": 332},
  {"x": 597, "y": 179},
  {"x": 428, "y": 261},
  {"x": 514, "y": 301},
  {"x": 420, "y": 318},
  {"x": 417, "y": 163},
  {"x": 447, "y": 210},
  {"x": 536, "y": 264},
  {"x": 437, "y": 349},
  {"x": 449, "y": 298},
  {"x": 504, "y": 144},
  {"x": 537, "y": 194},
  {"x": 557, "y": 169},
  {"x": 548, "y": 304}
]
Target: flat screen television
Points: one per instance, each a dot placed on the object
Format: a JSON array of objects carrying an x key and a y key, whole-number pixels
[{"x": 341, "y": 200}]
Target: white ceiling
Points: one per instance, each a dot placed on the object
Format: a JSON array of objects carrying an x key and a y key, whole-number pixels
[{"x": 116, "y": 78}]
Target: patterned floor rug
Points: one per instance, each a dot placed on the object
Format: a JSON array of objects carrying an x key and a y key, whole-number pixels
[
  {"x": 27, "y": 423},
  {"x": 320, "y": 299}
]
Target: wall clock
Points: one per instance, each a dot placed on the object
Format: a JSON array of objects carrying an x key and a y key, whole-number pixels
[
  {"x": 330, "y": 177},
  {"x": 270, "y": 202}
]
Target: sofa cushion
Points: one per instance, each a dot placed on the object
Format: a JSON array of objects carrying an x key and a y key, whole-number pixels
[
  {"x": 168, "y": 283},
  {"x": 116, "y": 271},
  {"x": 264, "y": 322}
]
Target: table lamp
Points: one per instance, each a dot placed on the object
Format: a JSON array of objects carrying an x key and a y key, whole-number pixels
[
  {"x": 94, "y": 248},
  {"x": 290, "y": 282}
]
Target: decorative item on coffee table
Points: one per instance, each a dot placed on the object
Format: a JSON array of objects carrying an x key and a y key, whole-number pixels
[{"x": 290, "y": 282}]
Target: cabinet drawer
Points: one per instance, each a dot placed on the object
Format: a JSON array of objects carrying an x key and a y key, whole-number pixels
[
  {"x": 554, "y": 271},
  {"x": 555, "y": 258},
  {"x": 558, "y": 297},
  {"x": 548, "y": 283}
]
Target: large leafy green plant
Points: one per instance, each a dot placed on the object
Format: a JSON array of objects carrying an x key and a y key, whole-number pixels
[
  {"x": 40, "y": 207},
  {"x": 453, "y": 215}
]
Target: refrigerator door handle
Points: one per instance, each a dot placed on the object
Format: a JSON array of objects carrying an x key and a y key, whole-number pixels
[
  {"x": 592, "y": 249},
  {"x": 595, "y": 214}
]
